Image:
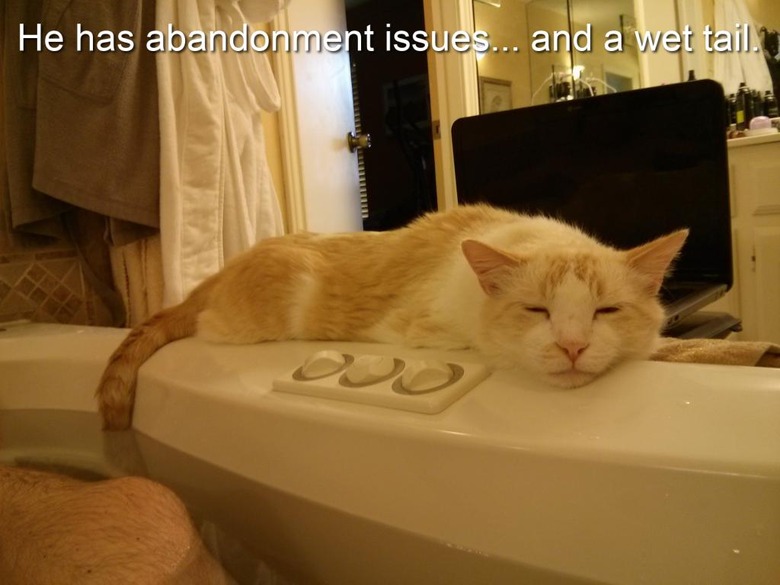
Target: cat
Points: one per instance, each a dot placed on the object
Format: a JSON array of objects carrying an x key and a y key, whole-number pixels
[{"x": 525, "y": 291}]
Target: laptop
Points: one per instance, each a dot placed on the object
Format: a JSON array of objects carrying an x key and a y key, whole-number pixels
[{"x": 626, "y": 167}]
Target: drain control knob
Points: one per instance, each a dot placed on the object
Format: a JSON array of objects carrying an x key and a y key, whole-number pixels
[
  {"x": 323, "y": 363},
  {"x": 368, "y": 369},
  {"x": 424, "y": 375}
]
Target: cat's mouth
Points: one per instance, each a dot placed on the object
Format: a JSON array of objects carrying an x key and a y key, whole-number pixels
[{"x": 571, "y": 377}]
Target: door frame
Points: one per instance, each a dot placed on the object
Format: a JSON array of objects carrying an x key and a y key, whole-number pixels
[
  {"x": 454, "y": 94},
  {"x": 454, "y": 89},
  {"x": 289, "y": 137}
]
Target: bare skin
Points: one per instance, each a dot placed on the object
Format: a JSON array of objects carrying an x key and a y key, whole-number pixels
[{"x": 131, "y": 530}]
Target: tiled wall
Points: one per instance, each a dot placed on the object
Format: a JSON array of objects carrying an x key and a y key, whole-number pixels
[
  {"x": 46, "y": 284},
  {"x": 43, "y": 282}
]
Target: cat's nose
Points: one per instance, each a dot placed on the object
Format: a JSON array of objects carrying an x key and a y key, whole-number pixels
[{"x": 573, "y": 348}]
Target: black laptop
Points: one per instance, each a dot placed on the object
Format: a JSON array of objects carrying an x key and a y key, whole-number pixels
[{"x": 625, "y": 167}]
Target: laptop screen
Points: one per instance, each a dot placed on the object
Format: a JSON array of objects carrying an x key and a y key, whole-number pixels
[{"x": 625, "y": 167}]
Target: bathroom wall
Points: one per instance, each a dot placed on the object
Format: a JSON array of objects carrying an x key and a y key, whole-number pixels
[
  {"x": 660, "y": 67},
  {"x": 43, "y": 282}
]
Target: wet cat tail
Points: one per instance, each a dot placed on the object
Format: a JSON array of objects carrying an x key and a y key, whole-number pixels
[{"x": 116, "y": 391}]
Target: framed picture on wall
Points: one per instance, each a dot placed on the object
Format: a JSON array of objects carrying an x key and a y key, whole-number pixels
[
  {"x": 495, "y": 95},
  {"x": 628, "y": 28}
]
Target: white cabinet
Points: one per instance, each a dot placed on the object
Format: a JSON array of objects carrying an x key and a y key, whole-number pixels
[{"x": 754, "y": 168}]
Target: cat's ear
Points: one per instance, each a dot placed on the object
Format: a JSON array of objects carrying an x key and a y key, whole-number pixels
[
  {"x": 654, "y": 259},
  {"x": 490, "y": 265}
]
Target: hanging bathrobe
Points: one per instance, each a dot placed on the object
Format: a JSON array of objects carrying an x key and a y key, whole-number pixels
[
  {"x": 733, "y": 68},
  {"x": 216, "y": 193}
]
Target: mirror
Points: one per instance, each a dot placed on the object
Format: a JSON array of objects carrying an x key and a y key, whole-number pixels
[{"x": 519, "y": 76}]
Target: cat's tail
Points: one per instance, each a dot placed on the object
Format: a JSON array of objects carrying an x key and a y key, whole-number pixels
[{"x": 116, "y": 391}]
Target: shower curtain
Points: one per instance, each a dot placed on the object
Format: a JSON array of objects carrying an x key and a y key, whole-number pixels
[{"x": 733, "y": 68}]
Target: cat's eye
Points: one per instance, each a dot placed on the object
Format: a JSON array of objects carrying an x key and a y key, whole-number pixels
[
  {"x": 540, "y": 310},
  {"x": 607, "y": 310}
]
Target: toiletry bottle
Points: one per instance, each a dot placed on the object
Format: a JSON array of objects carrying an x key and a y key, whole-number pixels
[
  {"x": 732, "y": 101},
  {"x": 749, "y": 113},
  {"x": 743, "y": 95},
  {"x": 771, "y": 109},
  {"x": 758, "y": 103}
]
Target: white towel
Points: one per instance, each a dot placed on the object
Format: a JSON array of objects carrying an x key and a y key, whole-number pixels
[{"x": 216, "y": 192}]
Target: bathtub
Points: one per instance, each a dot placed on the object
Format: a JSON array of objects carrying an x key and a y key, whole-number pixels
[{"x": 656, "y": 473}]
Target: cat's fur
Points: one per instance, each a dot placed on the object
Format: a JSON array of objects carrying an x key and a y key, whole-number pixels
[{"x": 530, "y": 292}]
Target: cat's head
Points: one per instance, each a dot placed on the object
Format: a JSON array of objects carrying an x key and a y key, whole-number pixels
[{"x": 568, "y": 314}]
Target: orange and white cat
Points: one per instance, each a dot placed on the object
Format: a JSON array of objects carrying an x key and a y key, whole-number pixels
[{"x": 527, "y": 292}]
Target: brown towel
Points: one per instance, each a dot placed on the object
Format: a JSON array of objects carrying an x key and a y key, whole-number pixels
[
  {"x": 97, "y": 142},
  {"x": 719, "y": 351},
  {"x": 83, "y": 126}
]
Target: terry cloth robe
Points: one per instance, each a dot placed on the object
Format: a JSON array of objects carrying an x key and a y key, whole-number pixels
[
  {"x": 217, "y": 194},
  {"x": 83, "y": 125}
]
